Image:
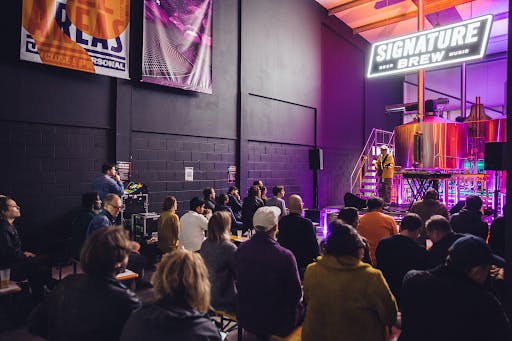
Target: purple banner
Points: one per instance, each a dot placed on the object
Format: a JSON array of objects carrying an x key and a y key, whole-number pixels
[{"x": 177, "y": 45}]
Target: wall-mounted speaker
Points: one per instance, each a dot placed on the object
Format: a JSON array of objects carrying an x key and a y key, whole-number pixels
[
  {"x": 316, "y": 158},
  {"x": 494, "y": 156}
]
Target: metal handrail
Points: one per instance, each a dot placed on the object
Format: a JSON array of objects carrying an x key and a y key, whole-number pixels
[{"x": 364, "y": 159}]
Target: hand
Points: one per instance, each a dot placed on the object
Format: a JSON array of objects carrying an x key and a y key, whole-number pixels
[
  {"x": 117, "y": 177},
  {"x": 497, "y": 273},
  {"x": 207, "y": 211},
  {"x": 29, "y": 254}
]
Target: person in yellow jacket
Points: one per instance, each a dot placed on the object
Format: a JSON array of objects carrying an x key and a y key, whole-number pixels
[
  {"x": 385, "y": 166},
  {"x": 346, "y": 299}
]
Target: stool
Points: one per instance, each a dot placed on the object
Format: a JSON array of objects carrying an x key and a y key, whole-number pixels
[{"x": 228, "y": 322}]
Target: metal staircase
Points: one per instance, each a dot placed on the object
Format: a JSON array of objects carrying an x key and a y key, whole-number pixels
[{"x": 363, "y": 180}]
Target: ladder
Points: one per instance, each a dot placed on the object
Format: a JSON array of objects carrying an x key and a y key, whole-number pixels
[{"x": 363, "y": 180}]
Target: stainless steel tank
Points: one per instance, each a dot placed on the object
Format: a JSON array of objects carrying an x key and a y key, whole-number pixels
[{"x": 433, "y": 143}]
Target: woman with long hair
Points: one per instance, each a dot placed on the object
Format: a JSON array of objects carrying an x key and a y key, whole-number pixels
[
  {"x": 347, "y": 298},
  {"x": 168, "y": 226},
  {"x": 182, "y": 297},
  {"x": 218, "y": 254}
]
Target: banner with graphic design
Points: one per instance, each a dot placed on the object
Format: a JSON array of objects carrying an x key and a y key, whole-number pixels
[
  {"x": 177, "y": 44},
  {"x": 84, "y": 35}
]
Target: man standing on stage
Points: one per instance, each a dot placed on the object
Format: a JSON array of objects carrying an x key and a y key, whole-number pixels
[{"x": 385, "y": 166}]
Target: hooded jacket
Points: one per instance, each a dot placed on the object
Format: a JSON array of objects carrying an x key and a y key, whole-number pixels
[
  {"x": 347, "y": 300},
  {"x": 165, "y": 321},
  {"x": 467, "y": 221}
]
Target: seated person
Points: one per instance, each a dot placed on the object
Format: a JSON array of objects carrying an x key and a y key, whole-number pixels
[
  {"x": 347, "y": 299},
  {"x": 222, "y": 205},
  {"x": 442, "y": 236},
  {"x": 234, "y": 202},
  {"x": 168, "y": 226},
  {"x": 469, "y": 219},
  {"x": 107, "y": 217},
  {"x": 251, "y": 203},
  {"x": 451, "y": 301},
  {"x": 218, "y": 255},
  {"x": 269, "y": 294},
  {"x": 94, "y": 305},
  {"x": 91, "y": 203},
  {"x": 277, "y": 200},
  {"x": 23, "y": 264},
  {"x": 181, "y": 302},
  {"x": 399, "y": 254},
  {"x": 193, "y": 225},
  {"x": 298, "y": 234},
  {"x": 350, "y": 216},
  {"x": 209, "y": 198}
]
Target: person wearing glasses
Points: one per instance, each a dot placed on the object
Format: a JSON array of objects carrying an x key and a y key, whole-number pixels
[
  {"x": 23, "y": 264},
  {"x": 107, "y": 217}
]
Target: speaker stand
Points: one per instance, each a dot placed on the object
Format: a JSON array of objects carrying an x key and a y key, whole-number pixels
[{"x": 496, "y": 193}]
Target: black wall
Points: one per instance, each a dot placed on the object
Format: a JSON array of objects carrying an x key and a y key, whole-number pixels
[{"x": 280, "y": 69}]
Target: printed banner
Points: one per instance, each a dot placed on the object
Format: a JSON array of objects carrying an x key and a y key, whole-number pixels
[
  {"x": 443, "y": 45},
  {"x": 177, "y": 44},
  {"x": 84, "y": 35}
]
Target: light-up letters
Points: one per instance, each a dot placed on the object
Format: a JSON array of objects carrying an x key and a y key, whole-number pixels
[{"x": 454, "y": 43}]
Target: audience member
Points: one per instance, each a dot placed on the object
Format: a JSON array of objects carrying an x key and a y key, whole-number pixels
[
  {"x": 375, "y": 225},
  {"x": 209, "y": 198},
  {"x": 234, "y": 202},
  {"x": 251, "y": 203},
  {"x": 112, "y": 206},
  {"x": 429, "y": 206},
  {"x": 346, "y": 298},
  {"x": 298, "y": 234},
  {"x": 91, "y": 204},
  {"x": 107, "y": 217},
  {"x": 267, "y": 281},
  {"x": 396, "y": 255},
  {"x": 258, "y": 183},
  {"x": 94, "y": 305},
  {"x": 277, "y": 200},
  {"x": 182, "y": 297},
  {"x": 168, "y": 226},
  {"x": 108, "y": 182},
  {"x": 263, "y": 194},
  {"x": 469, "y": 219},
  {"x": 222, "y": 205},
  {"x": 450, "y": 302},
  {"x": 218, "y": 255},
  {"x": 442, "y": 236},
  {"x": 193, "y": 226},
  {"x": 497, "y": 236},
  {"x": 23, "y": 264},
  {"x": 426, "y": 208},
  {"x": 350, "y": 216}
]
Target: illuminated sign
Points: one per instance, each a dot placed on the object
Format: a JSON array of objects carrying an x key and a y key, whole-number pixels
[{"x": 449, "y": 44}]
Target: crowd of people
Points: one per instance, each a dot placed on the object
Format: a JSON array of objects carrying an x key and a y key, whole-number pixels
[{"x": 367, "y": 275}]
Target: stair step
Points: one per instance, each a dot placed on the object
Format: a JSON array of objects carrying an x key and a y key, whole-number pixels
[
  {"x": 367, "y": 190},
  {"x": 369, "y": 177}
]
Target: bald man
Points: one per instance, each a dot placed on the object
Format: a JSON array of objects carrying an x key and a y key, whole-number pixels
[{"x": 298, "y": 234}]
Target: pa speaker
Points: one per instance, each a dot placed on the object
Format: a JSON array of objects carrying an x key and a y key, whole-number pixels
[
  {"x": 495, "y": 156},
  {"x": 352, "y": 200},
  {"x": 316, "y": 159}
]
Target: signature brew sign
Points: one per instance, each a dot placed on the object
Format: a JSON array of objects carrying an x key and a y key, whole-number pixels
[{"x": 453, "y": 43}]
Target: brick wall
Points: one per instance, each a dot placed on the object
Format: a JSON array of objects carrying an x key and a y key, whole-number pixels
[
  {"x": 51, "y": 167},
  {"x": 281, "y": 164},
  {"x": 159, "y": 161}
]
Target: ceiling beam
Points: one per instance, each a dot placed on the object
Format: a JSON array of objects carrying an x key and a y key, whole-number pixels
[
  {"x": 348, "y": 5},
  {"x": 430, "y": 8}
]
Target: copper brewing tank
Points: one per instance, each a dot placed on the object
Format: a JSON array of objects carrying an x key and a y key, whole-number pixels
[
  {"x": 494, "y": 130},
  {"x": 433, "y": 143}
]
